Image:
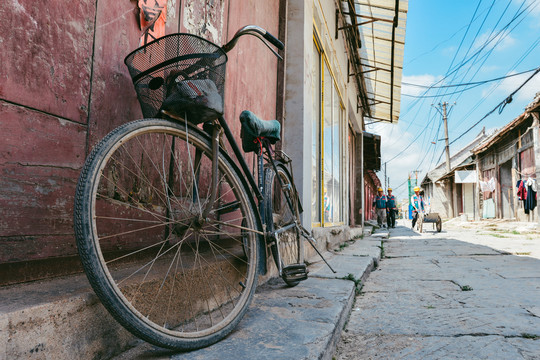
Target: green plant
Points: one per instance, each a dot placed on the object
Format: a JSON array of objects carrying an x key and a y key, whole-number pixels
[
  {"x": 530, "y": 336},
  {"x": 382, "y": 249},
  {"x": 357, "y": 282},
  {"x": 466, "y": 288}
]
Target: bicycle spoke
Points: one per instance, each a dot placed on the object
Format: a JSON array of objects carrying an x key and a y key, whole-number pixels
[
  {"x": 239, "y": 227},
  {"x": 172, "y": 271}
]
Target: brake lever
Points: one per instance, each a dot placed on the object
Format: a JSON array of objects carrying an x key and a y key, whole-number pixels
[{"x": 265, "y": 42}]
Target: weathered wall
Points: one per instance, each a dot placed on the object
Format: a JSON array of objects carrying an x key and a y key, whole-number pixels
[{"x": 64, "y": 85}]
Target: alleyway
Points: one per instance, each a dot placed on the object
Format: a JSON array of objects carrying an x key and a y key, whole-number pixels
[{"x": 458, "y": 294}]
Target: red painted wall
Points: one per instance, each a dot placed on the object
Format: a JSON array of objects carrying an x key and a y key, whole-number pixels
[{"x": 64, "y": 85}]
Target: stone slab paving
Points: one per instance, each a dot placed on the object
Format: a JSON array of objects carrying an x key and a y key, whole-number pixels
[
  {"x": 445, "y": 296},
  {"x": 303, "y": 322},
  {"x": 356, "y": 347}
]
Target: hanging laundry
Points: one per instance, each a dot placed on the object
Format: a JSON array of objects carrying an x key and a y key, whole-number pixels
[
  {"x": 488, "y": 209},
  {"x": 484, "y": 186},
  {"x": 491, "y": 184},
  {"x": 488, "y": 185},
  {"x": 522, "y": 190},
  {"x": 530, "y": 201},
  {"x": 532, "y": 183}
]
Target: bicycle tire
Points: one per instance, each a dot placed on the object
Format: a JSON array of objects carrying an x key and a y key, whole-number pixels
[
  {"x": 167, "y": 276},
  {"x": 279, "y": 214}
]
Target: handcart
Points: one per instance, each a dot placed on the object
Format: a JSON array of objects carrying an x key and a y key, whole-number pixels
[{"x": 435, "y": 219}]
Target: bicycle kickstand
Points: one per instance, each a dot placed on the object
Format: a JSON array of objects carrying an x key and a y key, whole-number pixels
[{"x": 312, "y": 242}]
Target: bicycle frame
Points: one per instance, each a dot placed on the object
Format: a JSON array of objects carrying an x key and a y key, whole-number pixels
[
  {"x": 258, "y": 190},
  {"x": 257, "y": 187}
]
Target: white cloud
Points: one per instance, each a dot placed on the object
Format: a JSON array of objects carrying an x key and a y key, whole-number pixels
[
  {"x": 509, "y": 85},
  {"x": 532, "y": 5},
  {"x": 424, "y": 80},
  {"x": 501, "y": 41},
  {"x": 394, "y": 140}
]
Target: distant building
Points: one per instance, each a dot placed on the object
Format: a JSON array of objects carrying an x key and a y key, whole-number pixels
[
  {"x": 510, "y": 155},
  {"x": 451, "y": 194}
]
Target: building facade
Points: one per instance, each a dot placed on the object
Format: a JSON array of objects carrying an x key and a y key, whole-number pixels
[
  {"x": 333, "y": 65},
  {"x": 64, "y": 86},
  {"x": 453, "y": 193},
  {"x": 506, "y": 160}
]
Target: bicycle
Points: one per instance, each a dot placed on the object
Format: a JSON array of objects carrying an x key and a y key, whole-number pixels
[{"x": 172, "y": 233}]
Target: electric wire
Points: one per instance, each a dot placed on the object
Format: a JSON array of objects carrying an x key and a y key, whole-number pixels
[
  {"x": 472, "y": 83},
  {"x": 499, "y": 106}
]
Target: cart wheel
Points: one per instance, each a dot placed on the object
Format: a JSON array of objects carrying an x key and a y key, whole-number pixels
[{"x": 438, "y": 223}]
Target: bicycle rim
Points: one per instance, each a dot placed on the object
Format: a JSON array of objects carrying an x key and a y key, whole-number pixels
[{"x": 167, "y": 275}]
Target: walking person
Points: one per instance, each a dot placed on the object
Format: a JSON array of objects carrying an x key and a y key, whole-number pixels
[
  {"x": 391, "y": 209},
  {"x": 380, "y": 207},
  {"x": 418, "y": 208}
]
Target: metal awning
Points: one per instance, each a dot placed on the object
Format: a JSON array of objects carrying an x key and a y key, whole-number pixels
[{"x": 380, "y": 27}]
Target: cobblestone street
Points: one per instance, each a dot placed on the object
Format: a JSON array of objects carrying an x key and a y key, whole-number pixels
[{"x": 469, "y": 292}]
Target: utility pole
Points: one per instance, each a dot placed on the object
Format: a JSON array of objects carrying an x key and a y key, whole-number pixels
[
  {"x": 445, "y": 111},
  {"x": 385, "y": 183},
  {"x": 445, "y": 119}
]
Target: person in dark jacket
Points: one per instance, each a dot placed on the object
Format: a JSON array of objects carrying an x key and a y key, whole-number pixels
[
  {"x": 380, "y": 206},
  {"x": 391, "y": 209}
]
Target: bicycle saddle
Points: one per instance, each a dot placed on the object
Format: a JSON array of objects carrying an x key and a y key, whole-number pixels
[{"x": 253, "y": 128}]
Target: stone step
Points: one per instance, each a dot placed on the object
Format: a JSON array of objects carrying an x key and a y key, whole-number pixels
[{"x": 62, "y": 318}]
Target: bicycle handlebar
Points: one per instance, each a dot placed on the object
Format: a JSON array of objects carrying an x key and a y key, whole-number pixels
[{"x": 258, "y": 32}]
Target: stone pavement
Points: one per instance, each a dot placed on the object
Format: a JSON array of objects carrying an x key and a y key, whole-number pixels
[
  {"x": 458, "y": 294},
  {"x": 303, "y": 322}
]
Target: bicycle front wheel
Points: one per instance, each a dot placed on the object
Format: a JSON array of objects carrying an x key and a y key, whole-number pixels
[
  {"x": 169, "y": 276},
  {"x": 282, "y": 212}
]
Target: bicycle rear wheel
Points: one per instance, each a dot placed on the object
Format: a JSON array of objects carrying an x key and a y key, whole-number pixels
[
  {"x": 288, "y": 246},
  {"x": 166, "y": 274}
]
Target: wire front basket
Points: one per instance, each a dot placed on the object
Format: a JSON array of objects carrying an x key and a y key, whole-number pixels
[{"x": 163, "y": 68}]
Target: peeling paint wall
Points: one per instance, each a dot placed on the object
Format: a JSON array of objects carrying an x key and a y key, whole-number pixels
[
  {"x": 205, "y": 18},
  {"x": 64, "y": 85}
]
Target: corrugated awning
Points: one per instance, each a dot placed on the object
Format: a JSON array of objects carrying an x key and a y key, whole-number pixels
[{"x": 381, "y": 28}]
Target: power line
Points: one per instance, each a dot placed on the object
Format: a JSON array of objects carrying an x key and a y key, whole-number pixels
[
  {"x": 436, "y": 96},
  {"x": 500, "y": 106},
  {"x": 470, "y": 83}
]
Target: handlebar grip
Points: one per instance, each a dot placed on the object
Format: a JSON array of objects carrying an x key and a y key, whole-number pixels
[{"x": 274, "y": 41}]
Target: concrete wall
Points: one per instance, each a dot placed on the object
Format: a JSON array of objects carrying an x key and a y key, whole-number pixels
[
  {"x": 442, "y": 198},
  {"x": 303, "y": 15},
  {"x": 63, "y": 86}
]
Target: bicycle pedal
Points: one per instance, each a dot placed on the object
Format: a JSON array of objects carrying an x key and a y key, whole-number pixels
[{"x": 295, "y": 272}]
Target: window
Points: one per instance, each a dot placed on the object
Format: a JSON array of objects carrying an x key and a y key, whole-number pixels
[
  {"x": 327, "y": 129},
  {"x": 316, "y": 136}
]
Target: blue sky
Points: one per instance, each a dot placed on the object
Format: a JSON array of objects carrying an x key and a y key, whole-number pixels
[{"x": 498, "y": 38}]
